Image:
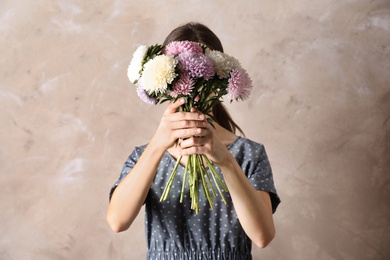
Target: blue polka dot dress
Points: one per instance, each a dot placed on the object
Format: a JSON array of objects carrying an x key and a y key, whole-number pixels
[{"x": 174, "y": 231}]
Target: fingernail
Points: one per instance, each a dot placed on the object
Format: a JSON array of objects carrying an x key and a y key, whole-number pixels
[{"x": 201, "y": 116}]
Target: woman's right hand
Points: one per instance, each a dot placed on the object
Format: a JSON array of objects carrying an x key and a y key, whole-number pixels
[{"x": 176, "y": 125}]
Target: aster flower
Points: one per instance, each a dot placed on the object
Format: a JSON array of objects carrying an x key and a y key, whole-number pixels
[
  {"x": 135, "y": 67},
  {"x": 158, "y": 73},
  {"x": 223, "y": 63},
  {"x": 183, "y": 86},
  {"x": 177, "y": 47},
  {"x": 197, "y": 65},
  {"x": 144, "y": 96},
  {"x": 239, "y": 85}
]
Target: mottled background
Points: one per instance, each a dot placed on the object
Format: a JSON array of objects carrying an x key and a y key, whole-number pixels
[{"x": 69, "y": 118}]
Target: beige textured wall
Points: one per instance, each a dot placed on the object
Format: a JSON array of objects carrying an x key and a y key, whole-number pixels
[{"x": 69, "y": 118}]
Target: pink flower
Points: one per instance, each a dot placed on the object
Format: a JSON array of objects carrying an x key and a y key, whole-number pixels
[
  {"x": 197, "y": 65},
  {"x": 239, "y": 85},
  {"x": 177, "y": 47},
  {"x": 183, "y": 86}
]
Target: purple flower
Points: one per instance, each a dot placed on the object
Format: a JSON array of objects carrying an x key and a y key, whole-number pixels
[
  {"x": 177, "y": 47},
  {"x": 239, "y": 85},
  {"x": 183, "y": 86},
  {"x": 144, "y": 96},
  {"x": 197, "y": 65}
]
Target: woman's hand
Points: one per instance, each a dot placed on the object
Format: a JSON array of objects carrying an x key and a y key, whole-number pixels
[
  {"x": 195, "y": 134},
  {"x": 176, "y": 125},
  {"x": 208, "y": 143}
]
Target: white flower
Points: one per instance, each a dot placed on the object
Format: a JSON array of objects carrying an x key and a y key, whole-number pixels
[
  {"x": 158, "y": 73},
  {"x": 223, "y": 63},
  {"x": 135, "y": 67}
]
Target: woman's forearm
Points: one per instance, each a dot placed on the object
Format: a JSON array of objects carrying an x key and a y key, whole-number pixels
[
  {"x": 130, "y": 194},
  {"x": 253, "y": 207}
]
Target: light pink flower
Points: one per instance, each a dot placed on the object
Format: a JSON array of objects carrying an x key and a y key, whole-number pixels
[
  {"x": 239, "y": 85},
  {"x": 197, "y": 65},
  {"x": 183, "y": 86},
  {"x": 177, "y": 47}
]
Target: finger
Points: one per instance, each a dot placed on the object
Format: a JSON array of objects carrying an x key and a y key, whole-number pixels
[
  {"x": 180, "y": 116},
  {"x": 194, "y": 137},
  {"x": 190, "y": 142},
  {"x": 186, "y": 133},
  {"x": 185, "y": 124},
  {"x": 173, "y": 106},
  {"x": 193, "y": 150}
]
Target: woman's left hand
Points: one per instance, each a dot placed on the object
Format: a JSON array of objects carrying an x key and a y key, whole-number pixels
[{"x": 208, "y": 143}]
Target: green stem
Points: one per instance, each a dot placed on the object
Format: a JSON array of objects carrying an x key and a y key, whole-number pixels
[
  {"x": 215, "y": 175},
  {"x": 204, "y": 184},
  {"x": 195, "y": 198},
  {"x": 165, "y": 193},
  {"x": 209, "y": 181},
  {"x": 184, "y": 182}
]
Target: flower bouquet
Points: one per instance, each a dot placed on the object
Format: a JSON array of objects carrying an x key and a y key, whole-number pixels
[{"x": 189, "y": 70}]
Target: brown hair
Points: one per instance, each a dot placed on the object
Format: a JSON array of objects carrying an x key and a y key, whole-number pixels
[{"x": 197, "y": 32}]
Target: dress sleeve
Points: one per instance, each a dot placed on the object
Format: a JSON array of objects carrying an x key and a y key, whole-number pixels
[
  {"x": 261, "y": 177},
  {"x": 129, "y": 164}
]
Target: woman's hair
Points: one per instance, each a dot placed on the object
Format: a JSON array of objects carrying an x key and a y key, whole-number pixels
[{"x": 197, "y": 32}]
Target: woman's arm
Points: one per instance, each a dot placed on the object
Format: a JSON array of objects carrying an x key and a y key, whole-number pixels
[
  {"x": 131, "y": 193},
  {"x": 253, "y": 207}
]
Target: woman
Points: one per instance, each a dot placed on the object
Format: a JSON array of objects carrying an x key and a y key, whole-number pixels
[{"x": 173, "y": 230}]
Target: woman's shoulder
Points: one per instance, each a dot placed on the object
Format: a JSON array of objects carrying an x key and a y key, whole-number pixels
[
  {"x": 247, "y": 150},
  {"x": 140, "y": 148},
  {"x": 245, "y": 143},
  {"x": 137, "y": 151}
]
